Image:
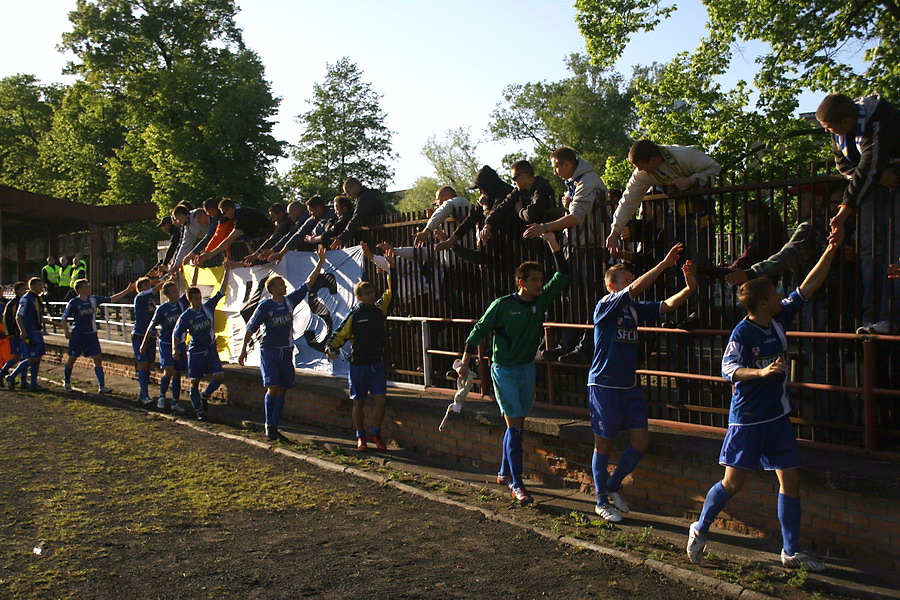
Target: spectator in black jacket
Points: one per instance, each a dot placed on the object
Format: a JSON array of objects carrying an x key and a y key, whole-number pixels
[
  {"x": 865, "y": 136},
  {"x": 320, "y": 215},
  {"x": 248, "y": 224},
  {"x": 493, "y": 189},
  {"x": 174, "y": 231},
  {"x": 344, "y": 214},
  {"x": 368, "y": 204},
  {"x": 532, "y": 201}
]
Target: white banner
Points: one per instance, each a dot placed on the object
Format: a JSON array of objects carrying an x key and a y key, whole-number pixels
[{"x": 315, "y": 318}]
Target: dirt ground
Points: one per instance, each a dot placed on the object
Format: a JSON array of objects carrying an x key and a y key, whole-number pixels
[{"x": 101, "y": 502}]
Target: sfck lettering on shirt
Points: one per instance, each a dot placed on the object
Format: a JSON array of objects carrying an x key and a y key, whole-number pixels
[{"x": 753, "y": 347}]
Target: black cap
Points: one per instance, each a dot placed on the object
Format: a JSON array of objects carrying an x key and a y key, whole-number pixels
[{"x": 166, "y": 220}]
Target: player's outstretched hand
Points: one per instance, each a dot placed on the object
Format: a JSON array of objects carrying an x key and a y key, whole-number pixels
[
  {"x": 690, "y": 274},
  {"x": 321, "y": 254},
  {"x": 772, "y": 368},
  {"x": 672, "y": 257},
  {"x": 736, "y": 277},
  {"x": 612, "y": 242},
  {"x": 534, "y": 230},
  {"x": 391, "y": 257},
  {"x": 421, "y": 238}
]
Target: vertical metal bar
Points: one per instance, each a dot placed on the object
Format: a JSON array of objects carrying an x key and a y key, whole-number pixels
[
  {"x": 426, "y": 358},
  {"x": 484, "y": 373},
  {"x": 551, "y": 372},
  {"x": 870, "y": 405}
]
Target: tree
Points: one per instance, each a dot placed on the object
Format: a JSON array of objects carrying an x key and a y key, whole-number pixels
[
  {"x": 419, "y": 196},
  {"x": 590, "y": 111},
  {"x": 455, "y": 163},
  {"x": 195, "y": 108},
  {"x": 807, "y": 43},
  {"x": 26, "y": 117},
  {"x": 344, "y": 136}
]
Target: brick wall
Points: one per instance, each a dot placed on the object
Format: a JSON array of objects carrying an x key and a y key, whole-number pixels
[{"x": 672, "y": 479}]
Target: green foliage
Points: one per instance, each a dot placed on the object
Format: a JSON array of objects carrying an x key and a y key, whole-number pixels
[
  {"x": 590, "y": 111},
  {"x": 808, "y": 41},
  {"x": 420, "y": 196},
  {"x": 682, "y": 103},
  {"x": 344, "y": 136},
  {"x": 169, "y": 105},
  {"x": 26, "y": 115},
  {"x": 453, "y": 159},
  {"x": 454, "y": 162},
  {"x": 616, "y": 172}
]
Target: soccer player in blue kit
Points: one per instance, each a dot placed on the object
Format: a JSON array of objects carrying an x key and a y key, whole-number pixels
[
  {"x": 165, "y": 317},
  {"x": 759, "y": 429},
  {"x": 615, "y": 398},
  {"x": 203, "y": 357},
  {"x": 83, "y": 340},
  {"x": 30, "y": 318},
  {"x": 12, "y": 332},
  {"x": 144, "y": 306},
  {"x": 276, "y": 314}
]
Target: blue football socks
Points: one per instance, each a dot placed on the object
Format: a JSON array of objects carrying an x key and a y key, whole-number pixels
[
  {"x": 144, "y": 383},
  {"x": 716, "y": 499},
  {"x": 514, "y": 455},
  {"x": 627, "y": 462},
  {"x": 789, "y": 517},
  {"x": 599, "y": 464}
]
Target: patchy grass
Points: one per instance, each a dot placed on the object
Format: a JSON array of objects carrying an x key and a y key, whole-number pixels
[{"x": 91, "y": 474}]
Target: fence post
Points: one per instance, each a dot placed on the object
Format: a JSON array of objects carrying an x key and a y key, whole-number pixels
[
  {"x": 870, "y": 408},
  {"x": 426, "y": 358},
  {"x": 551, "y": 372},
  {"x": 484, "y": 373}
]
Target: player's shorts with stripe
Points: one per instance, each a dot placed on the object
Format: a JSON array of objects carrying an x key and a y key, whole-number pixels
[
  {"x": 35, "y": 346},
  {"x": 367, "y": 380},
  {"x": 277, "y": 367},
  {"x": 148, "y": 356},
  {"x": 514, "y": 388},
  {"x": 614, "y": 410},
  {"x": 84, "y": 344},
  {"x": 201, "y": 364},
  {"x": 166, "y": 359},
  {"x": 15, "y": 345},
  {"x": 773, "y": 445}
]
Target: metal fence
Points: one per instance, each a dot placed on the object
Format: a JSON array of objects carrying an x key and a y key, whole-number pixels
[{"x": 846, "y": 387}]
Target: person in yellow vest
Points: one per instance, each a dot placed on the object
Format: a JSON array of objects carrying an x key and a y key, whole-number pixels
[
  {"x": 65, "y": 277},
  {"x": 79, "y": 263},
  {"x": 79, "y": 271},
  {"x": 50, "y": 275}
]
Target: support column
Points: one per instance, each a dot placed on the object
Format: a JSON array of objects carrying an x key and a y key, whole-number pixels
[
  {"x": 20, "y": 256},
  {"x": 95, "y": 265},
  {"x": 52, "y": 243}
]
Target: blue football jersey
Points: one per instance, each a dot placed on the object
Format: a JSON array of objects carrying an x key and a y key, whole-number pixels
[
  {"x": 616, "y": 320},
  {"x": 753, "y": 347},
  {"x": 166, "y": 316},
  {"x": 144, "y": 305},
  {"x": 278, "y": 318},
  {"x": 84, "y": 313},
  {"x": 30, "y": 309},
  {"x": 200, "y": 324}
]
